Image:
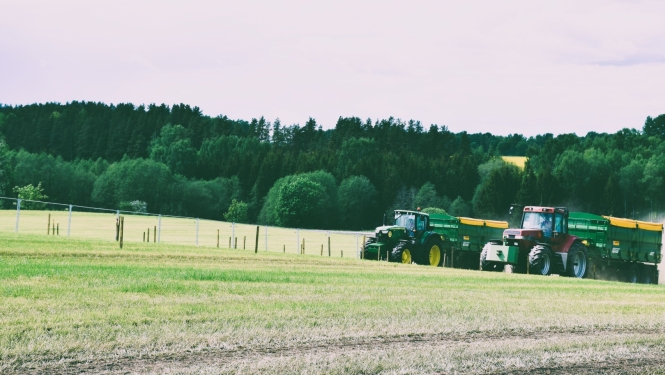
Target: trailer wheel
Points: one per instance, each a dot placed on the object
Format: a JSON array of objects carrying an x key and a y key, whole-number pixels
[
  {"x": 401, "y": 254},
  {"x": 578, "y": 261},
  {"x": 487, "y": 265},
  {"x": 540, "y": 260},
  {"x": 632, "y": 273},
  {"x": 646, "y": 275}
]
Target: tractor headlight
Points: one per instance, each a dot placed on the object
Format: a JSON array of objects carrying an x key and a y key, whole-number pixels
[{"x": 390, "y": 234}]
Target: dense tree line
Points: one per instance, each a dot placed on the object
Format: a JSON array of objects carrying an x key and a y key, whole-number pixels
[{"x": 179, "y": 161}]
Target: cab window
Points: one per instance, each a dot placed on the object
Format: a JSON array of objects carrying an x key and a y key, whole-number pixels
[
  {"x": 558, "y": 223},
  {"x": 421, "y": 223}
]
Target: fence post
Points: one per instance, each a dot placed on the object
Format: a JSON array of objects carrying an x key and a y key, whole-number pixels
[
  {"x": 218, "y": 238},
  {"x": 148, "y": 238},
  {"x": 328, "y": 243},
  {"x": 69, "y": 221},
  {"x": 256, "y": 246},
  {"x": 154, "y": 234},
  {"x": 122, "y": 230},
  {"x": 197, "y": 231},
  {"x": 117, "y": 225},
  {"x": 159, "y": 228},
  {"x": 48, "y": 225},
  {"x": 18, "y": 212},
  {"x": 362, "y": 255}
]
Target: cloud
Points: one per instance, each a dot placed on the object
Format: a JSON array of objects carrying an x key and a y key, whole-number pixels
[{"x": 633, "y": 60}]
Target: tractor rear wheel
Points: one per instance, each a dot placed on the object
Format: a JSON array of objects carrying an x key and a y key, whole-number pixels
[
  {"x": 487, "y": 265},
  {"x": 432, "y": 253},
  {"x": 540, "y": 260},
  {"x": 401, "y": 254},
  {"x": 632, "y": 273},
  {"x": 646, "y": 275},
  {"x": 578, "y": 261}
]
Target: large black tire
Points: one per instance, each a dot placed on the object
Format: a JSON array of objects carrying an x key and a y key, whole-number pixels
[
  {"x": 432, "y": 253},
  {"x": 489, "y": 266},
  {"x": 540, "y": 260},
  {"x": 369, "y": 241},
  {"x": 578, "y": 261},
  {"x": 402, "y": 253},
  {"x": 632, "y": 273},
  {"x": 647, "y": 275}
]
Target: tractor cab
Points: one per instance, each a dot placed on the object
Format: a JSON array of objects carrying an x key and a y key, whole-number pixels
[
  {"x": 415, "y": 222},
  {"x": 543, "y": 225}
]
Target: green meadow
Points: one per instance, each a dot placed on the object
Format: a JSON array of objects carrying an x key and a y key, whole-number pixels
[{"x": 74, "y": 305}]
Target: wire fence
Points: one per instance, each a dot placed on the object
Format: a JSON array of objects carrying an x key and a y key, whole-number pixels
[{"x": 57, "y": 219}]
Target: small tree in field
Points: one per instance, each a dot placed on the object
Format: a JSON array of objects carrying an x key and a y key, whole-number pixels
[
  {"x": 238, "y": 212},
  {"x": 33, "y": 193}
]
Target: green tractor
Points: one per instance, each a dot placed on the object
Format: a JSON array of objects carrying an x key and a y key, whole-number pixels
[{"x": 410, "y": 240}]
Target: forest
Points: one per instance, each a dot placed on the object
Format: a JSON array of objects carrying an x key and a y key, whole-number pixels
[{"x": 176, "y": 160}]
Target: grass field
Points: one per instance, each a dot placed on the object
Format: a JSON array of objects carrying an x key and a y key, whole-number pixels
[
  {"x": 177, "y": 231},
  {"x": 76, "y": 306}
]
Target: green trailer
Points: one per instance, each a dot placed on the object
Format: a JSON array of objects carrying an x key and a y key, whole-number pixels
[
  {"x": 465, "y": 237},
  {"x": 619, "y": 249},
  {"x": 418, "y": 237}
]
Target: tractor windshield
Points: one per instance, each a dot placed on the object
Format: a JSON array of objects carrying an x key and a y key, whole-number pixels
[
  {"x": 406, "y": 220},
  {"x": 538, "y": 220}
]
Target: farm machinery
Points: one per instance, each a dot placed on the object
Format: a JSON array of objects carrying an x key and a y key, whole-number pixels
[
  {"x": 542, "y": 245},
  {"x": 426, "y": 239},
  {"x": 551, "y": 240},
  {"x": 411, "y": 239}
]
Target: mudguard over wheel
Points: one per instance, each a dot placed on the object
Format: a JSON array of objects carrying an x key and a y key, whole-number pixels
[
  {"x": 578, "y": 261},
  {"x": 489, "y": 266},
  {"x": 432, "y": 252},
  {"x": 401, "y": 254},
  {"x": 540, "y": 260}
]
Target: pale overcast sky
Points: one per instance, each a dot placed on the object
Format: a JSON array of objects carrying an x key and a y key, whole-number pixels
[{"x": 482, "y": 66}]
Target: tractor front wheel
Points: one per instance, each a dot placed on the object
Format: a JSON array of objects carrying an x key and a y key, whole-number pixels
[
  {"x": 486, "y": 265},
  {"x": 540, "y": 260}
]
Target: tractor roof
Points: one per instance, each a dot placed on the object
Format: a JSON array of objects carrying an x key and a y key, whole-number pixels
[
  {"x": 411, "y": 212},
  {"x": 550, "y": 210}
]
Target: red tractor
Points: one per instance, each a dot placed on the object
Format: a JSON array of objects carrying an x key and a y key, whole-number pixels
[{"x": 541, "y": 246}]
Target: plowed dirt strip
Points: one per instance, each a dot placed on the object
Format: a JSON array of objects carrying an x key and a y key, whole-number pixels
[{"x": 236, "y": 361}]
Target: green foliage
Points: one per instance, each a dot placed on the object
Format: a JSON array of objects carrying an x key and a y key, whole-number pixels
[
  {"x": 460, "y": 207},
  {"x": 5, "y": 169},
  {"x": 237, "y": 213},
  {"x": 329, "y": 200},
  {"x": 300, "y": 203},
  {"x": 134, "y": 206},
  {"x": 655, "y": 126},
  {"x": 497, "y": 190},
  {"x": 33, "y": 193},
  {"x": 427, "y": 197},
  {"x": 174, "y": 148},
  {"x": 357, "y": 204},
  {"x": 434, "y": 210},
  {"x": 71, "y": 147}
]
